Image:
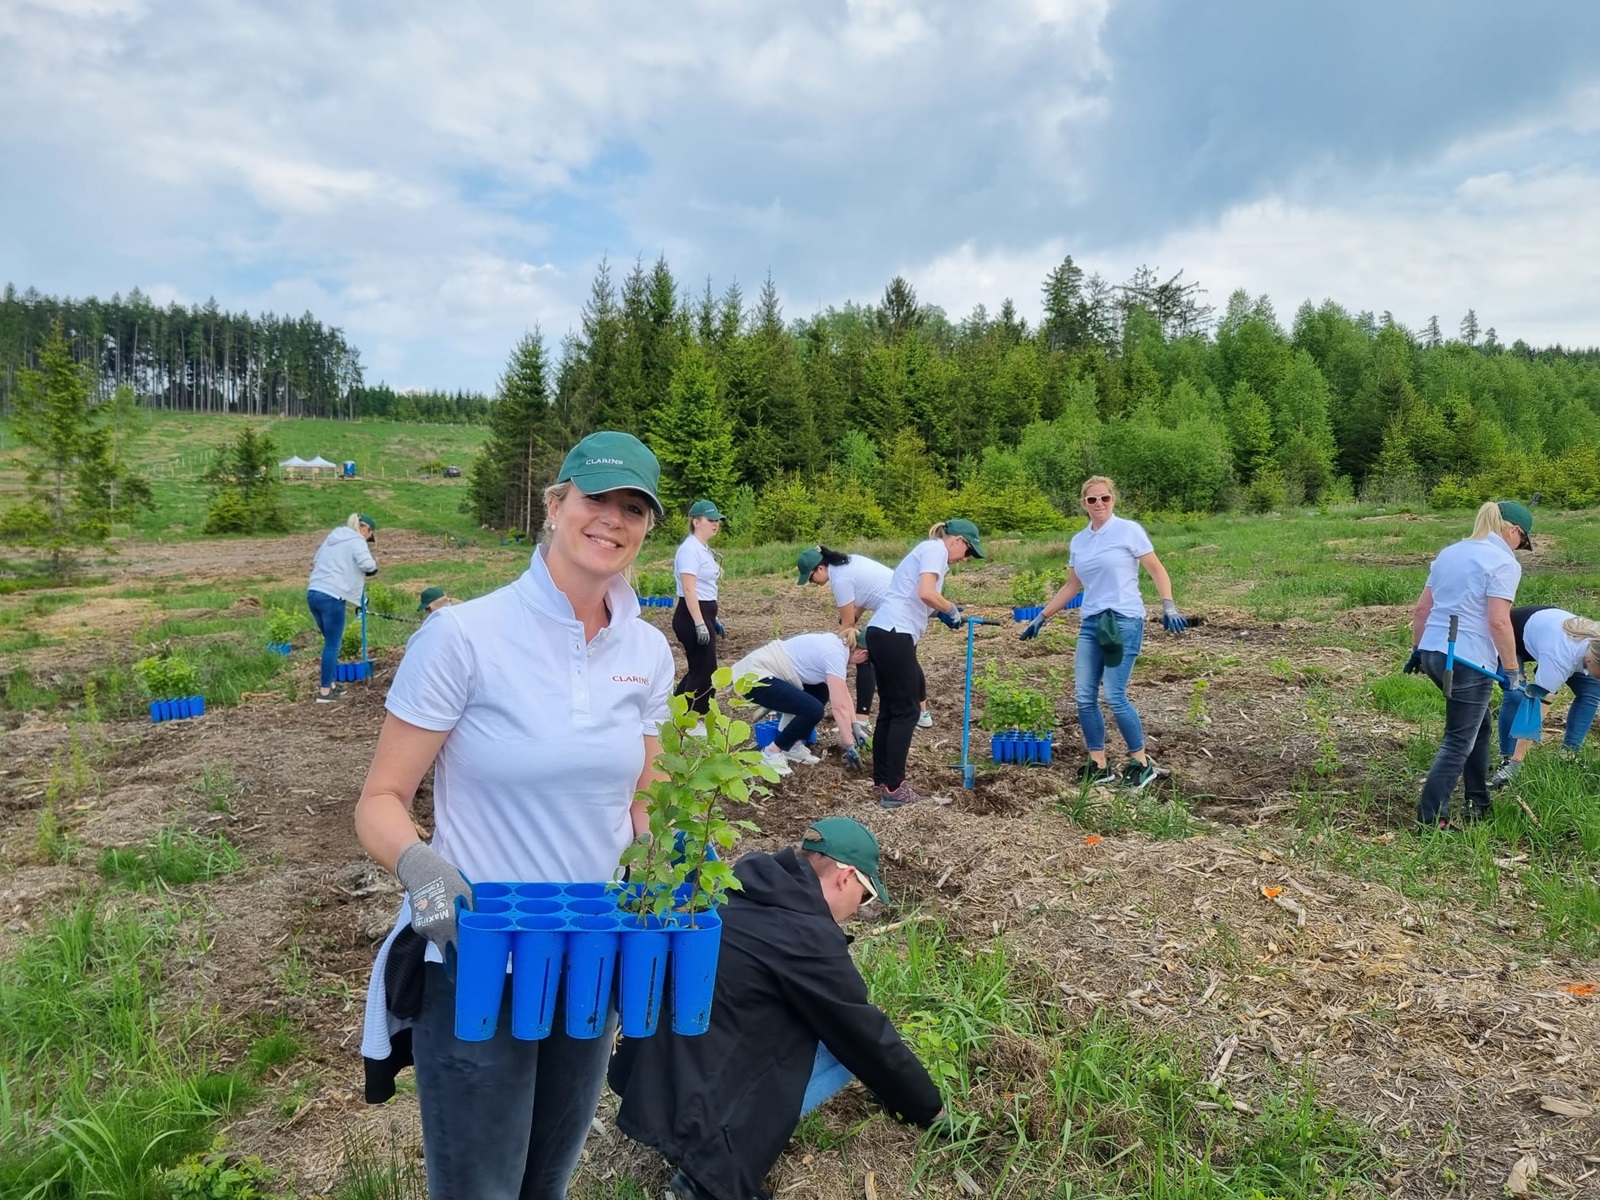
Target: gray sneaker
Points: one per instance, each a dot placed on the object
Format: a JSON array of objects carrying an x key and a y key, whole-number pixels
[
  {"x": 1507, "y": 772},
  {"x": 332, "y": 696},
  {"x": 899, "y": 797}
]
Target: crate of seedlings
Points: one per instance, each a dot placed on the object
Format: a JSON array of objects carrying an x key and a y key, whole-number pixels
[
  {"x": 172, "y": 684},
  {"x": 1020, "y": 719}
]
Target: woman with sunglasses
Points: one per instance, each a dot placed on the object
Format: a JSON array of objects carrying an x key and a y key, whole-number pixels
[{"x": 1103, "y": 563}]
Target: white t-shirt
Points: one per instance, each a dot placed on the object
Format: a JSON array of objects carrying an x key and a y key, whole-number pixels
[
  {"x": 1463, "y": 578},
  {"x": 806, "y": 658},
  {"x": 547, "y": 732},
  {"x": 693, "y": 558},
  {"x": 903, "y": 609},
  {"x": 862, "y": 581},
  {"x": 341, "y": 565},
  {"x": 1559, "y": 656},
  {"x": 1107, "y": 561}
]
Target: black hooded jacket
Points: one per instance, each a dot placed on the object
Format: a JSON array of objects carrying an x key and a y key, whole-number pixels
[{"x": 722, "y": 1106}]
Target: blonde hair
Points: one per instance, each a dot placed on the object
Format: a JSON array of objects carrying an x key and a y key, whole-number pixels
[
  {"x": 1489, "y": 521},
  {"x": 851, "y": 638},
  {"x": 353, "y": 521},
  {"x": 936, "y": 530},
  {"x": 1097, "y": 481},
  {"x": 557, "y": 492},
  {"x": 1580, "y": 629}
]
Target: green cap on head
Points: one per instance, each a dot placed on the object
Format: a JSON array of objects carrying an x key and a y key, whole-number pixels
[
  {"x": 707, "y": 509},
  {"x": 808, "y": 562},
  {"x": 967, "y": 532},
  {"x": 609, "y": 460},
  {"x": 848, "y": 842},
  {"x": 372, "y": 526},
  {"x": 429, "y": 595},
  {"x": 1518, "y": 515}
]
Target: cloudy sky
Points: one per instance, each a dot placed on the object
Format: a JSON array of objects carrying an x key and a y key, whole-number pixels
[{"x": 437, "y": 178}]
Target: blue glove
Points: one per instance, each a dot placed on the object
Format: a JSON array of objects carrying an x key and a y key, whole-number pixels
[
  {"x": 1171, "y": 619},
  {"x": 953, "y": 618},
  {"x": 1414, "y": 663},
  {"x": 721, "y": 632},
  {"x": 852, "y": 759},
  {"x": 1031, "y": 629}
]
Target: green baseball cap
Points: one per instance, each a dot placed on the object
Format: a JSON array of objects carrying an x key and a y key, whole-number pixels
[
  {"x": 808, "y": 562},
  {"x": 609, "y": 460},
  {"x": 1518, "y": 515},
  {"x": 372, "y": 526},
  {"x": 705, "y": 508},
  {"x": 967, "y": 532},
  {"x": 429, "y": 595},
  {"x": 848, "y": 842}
]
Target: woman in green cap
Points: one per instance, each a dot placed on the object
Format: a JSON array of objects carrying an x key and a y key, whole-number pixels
[
  {"x": 859, "y": 585},
  {"x": 916, "y": 590},
  {"x": 694, "y": 621},
  {"x": 339, "y": 575},
  {"x": 1103, "y": 562}
]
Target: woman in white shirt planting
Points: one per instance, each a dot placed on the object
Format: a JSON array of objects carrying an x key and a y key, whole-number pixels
[
  {"x": 694, "y": 621},
  {"x": 339, "y": 575},
  {"x": 1567, "y": 649},
  {"x": 916, "y": 590},
  {"x": 1475, "y": 581},
  {"x": 798, "y": 677},
  {"x": 538, "y": 707},
  {"x": 1103, "y": 563},
  {"x": 859, "y": 585}
]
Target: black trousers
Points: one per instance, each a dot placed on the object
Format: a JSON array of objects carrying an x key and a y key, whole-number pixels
[
  {"x": 894, "y": 661},
  {"x": 702, "y": 660},
  {"x": 867, "y": 685}
]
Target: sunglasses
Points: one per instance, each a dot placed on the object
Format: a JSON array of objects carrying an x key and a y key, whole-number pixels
[{"x": 1097, "y": 499}]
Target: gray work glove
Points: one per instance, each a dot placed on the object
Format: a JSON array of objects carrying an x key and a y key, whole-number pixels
[
  {"x": 436, "y": 890},
  {"x": 701, "y": 633},
  {"x": 860, "y": 734}
]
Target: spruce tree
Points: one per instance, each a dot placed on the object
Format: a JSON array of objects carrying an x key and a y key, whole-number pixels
[
  {"x": 519, "y": 459},
  {"x": 691, "y": 435}
]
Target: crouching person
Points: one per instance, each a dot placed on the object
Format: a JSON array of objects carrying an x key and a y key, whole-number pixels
[{"x": 790, "y": 1025}]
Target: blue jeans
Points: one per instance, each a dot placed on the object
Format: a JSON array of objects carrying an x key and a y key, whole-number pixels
[
  {"x": 503, "y": 1119},
  {"x": 1089, "y": 670},
  {"x": 1464, "y": 750},
  {"x": 828, "y": 1078},
  {"x": 1580, "y": 717},
  {"x": 328, "y": 613},
  {"x": 804, "y": 706}
]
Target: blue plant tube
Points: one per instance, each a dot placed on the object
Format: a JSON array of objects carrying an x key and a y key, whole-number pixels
[
  {"x": 538, "y": 908},
  {"x": 694, "y": 970},
  {"x": 584, "y": 891},
  {"x": 537, "y": 947},
  {"x": 643, "y": 965},
  {"x": 591, "y": 967},
  {"x": 538, "y": 891},
  {"x": 592, "y": 908},
  {"x": 483, "y": 947},
  {"x": 765, "y": 731},
  {"x": 199, "y": 706},
  {"x": 491, "y": 891},
  {"x": 1047, "y": 748},
  {"x": 494, "y": 906}
]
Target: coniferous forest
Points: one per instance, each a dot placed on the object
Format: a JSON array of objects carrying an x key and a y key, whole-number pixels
[{"x": 884, "y": 416}]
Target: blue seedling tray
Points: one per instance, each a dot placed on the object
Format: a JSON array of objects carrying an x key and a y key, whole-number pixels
[
  {"x": 282, "y": 648},
  {"x": 766, "y": 731},
  {"x": 657, "y": 601},
  {"x": 177, "y": 710},
  {"x": 1016, "y": 746},
  {"x": 352, "y": 672},
  {"x": 578, "y": 936},
  {"x": 1023, "y": 615}
]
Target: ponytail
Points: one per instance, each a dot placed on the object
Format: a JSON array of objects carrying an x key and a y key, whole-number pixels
[
  {"x": 832, "y": 558},
  {"x": 353, "y": 521},
  {"x": 1488, "y": 521},
  {"x": 936, "y": 531},
  {"x": 851, "y": 638},
  {"x": 1581, "y": 628}
]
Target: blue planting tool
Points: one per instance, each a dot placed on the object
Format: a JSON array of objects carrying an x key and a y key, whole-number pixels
[
  {"x": 367, "y": 674},
  {"x": 969, "y": 773},
  {"x": 1527, "y": 725}
]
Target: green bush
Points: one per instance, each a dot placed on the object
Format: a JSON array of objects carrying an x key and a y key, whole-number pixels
[
  {"x": 1188, "y": 468},
  {"x": 1014, "y": 508},
  {"x": 1009, "y": 703},
  {"x": 655, "y": 583},
  {"x": 849, "y": 510},
  {"x": 167, "y": 676},
  {"x": 1035, "y": 587},
  {"x": 1266, "y": 492},
  {"x": 786, "y": 511},
  {"x": 217, "y": 1175},
  {"x": 350, "y": 643},
  {"x": 283, "y": 625},
  {"x": 384, "y": 599}
]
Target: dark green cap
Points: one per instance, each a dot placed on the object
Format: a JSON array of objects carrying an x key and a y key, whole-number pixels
[
  {"x": 967, "y": 532},
  {"x": 429, "y": 596},
  {"x": 372, "y": 526},
  {"x": 808, "y": 562},
  {"x": 848, "y": 842},
  {"x": 1518, "y": 515},
  {"x": 705, "y": 508},
  {"x": 608, "y": 460}
]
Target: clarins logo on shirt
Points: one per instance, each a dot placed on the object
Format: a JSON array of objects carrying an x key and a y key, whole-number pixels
[{"x": 641, "y": 679}]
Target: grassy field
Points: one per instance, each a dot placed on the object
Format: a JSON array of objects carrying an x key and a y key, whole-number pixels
[{"x": 1213, "y": 989}]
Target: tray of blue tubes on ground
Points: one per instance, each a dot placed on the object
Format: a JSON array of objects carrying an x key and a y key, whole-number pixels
[
  {"x": 657, "y": 601},
  {"x": 581, "y": 937},
  {"x": 180, "y": 709},
  {"x": 1019, "y": 746}
]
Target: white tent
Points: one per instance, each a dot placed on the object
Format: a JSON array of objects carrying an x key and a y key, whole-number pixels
[
  {"x": 294, "y": 460},
  {"x": 320, "y": 464}
]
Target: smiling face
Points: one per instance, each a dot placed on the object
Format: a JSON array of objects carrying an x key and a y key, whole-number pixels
[
  {"x": 599, "y": 535},
  {"x": 1098, "y": 499}
]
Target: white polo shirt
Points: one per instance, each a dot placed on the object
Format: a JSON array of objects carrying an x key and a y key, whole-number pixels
[
  {"x": 547, "y": 732},
  {"x": 694, "y": 558},
  {"x": 903, "y": 610},
  {"x": 1559, "y": 656},
  {"x": 1107, "y": 561},
  {"x": 1464, "y": 577},
  {"x": 862, "y": 581},
  {"x": 806, "y": 658}
]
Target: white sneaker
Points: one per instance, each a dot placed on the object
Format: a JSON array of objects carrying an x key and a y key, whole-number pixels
[
  {"x": 798, "y": 753},
  {"x": 776, "y": 759},
  {"x": 925, "y": 721}
]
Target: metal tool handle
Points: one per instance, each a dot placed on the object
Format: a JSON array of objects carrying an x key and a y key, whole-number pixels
[{"x": 1450, "y": 657}]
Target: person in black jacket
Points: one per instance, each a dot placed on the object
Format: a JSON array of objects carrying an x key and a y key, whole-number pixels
[{"x": 722, "y": 1106}]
